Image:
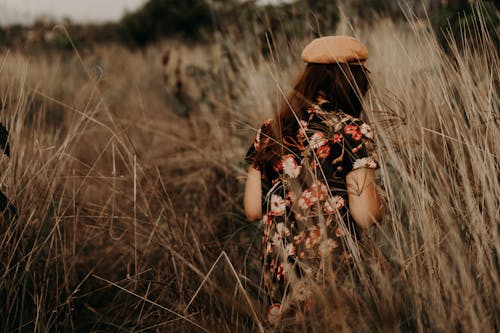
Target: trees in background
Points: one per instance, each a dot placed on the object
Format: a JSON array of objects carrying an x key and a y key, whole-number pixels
[
  {"x": 196, "y": 20},
  {"x": 161, "y": 18}
]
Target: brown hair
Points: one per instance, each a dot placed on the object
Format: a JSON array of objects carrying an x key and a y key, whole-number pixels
[{"x": 341, "y": 84}]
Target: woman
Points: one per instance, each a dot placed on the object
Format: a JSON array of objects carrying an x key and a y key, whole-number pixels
[{"x": 311, "y": 178}]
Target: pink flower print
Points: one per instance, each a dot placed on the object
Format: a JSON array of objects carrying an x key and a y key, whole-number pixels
[
  {"x": 314, "y": 109},
  {"x": 323, "y": 151},
  {"x": 280, "y": 272},
  {"x": 319, "y": 191},
  {"x": 290, "y": 249},
  {"x": 349, "y": 129},
  {"x": 338, "y": 232},
  {"x": 269, "y": 248},
  {"x": 312, "y": 195},
  {"x": 329, "y": 208},
  {"x": 278, "y": 205},
  {"x": 290, "y": 166},
  {"x": 314, "y": 164},
  {"x": 354, "y": 131},
  {"x": 277, "y": 166},
  {"x": 317, "y": 140},
  {"x": 333, "y": 204},
  {"x": 337, "y": 138},
  {"x": 271, "y": 265},
  {"x": 357, "y": 135}
]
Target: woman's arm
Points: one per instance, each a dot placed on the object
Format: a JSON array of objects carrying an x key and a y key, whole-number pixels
[
  {"x": 365, "y": 204},
  {"x": 252, "y": 201}
]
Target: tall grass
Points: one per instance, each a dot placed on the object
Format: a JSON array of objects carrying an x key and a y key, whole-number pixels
[{"x": 129, "y": 191}]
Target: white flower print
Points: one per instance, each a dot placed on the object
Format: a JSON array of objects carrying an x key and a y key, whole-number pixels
[
  {"x": 333, "y": 204},
  {"x": 366, "y": 130},
  {"x": 278, "y": 205},
  {"x": 302, "y": 128},
  {"x": 317, "y": 140},
  {"x": 266, "y": 219},
  {"x": 319, "y": 191},
  {"x": 313, "y": 238},
  {"x": 282, "y": 229},
  {"x": 326, "y": 247},
  {"x": 290, "y": 166},
  {"x": 290, "y": 249},
  {"x": 316, "y": 193},
  {"x": 365, "y": 162},
  {"x": 305, "y": 200}
]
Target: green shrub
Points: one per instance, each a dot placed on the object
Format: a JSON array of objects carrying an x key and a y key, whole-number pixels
[
  {"x": 161, "y": 18},
  {"x": 450, "y": 21}
]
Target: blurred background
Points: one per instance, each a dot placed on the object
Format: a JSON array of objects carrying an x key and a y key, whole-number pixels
[{"x": 28, "y": 24}]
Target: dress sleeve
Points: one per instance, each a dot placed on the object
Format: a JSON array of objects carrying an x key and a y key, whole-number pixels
[
  {"x": 358, "y": 145},
  {"x": 261, "y": 137}
]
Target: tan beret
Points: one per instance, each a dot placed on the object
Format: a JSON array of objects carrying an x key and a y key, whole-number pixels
[{"x": 335, "y": 49}]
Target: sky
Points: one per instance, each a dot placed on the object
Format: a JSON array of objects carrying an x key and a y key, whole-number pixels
[
  {"x": 82, "y": 11},
  {"x": 24, "y": 11}
]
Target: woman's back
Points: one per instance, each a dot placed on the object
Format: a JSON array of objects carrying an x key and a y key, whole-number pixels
[{"x": 306, "y": 221}]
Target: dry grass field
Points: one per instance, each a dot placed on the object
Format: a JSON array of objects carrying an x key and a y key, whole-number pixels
[{"x": 127, "y": 172}]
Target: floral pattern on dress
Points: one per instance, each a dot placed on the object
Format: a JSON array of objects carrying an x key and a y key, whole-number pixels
[{"x": 306, "y": 221}]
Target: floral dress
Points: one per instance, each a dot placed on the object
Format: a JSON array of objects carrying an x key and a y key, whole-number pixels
[{"x": 306, "y": 226}]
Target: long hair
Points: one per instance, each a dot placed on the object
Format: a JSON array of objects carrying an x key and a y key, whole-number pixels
[{"x": 343, "y": 85}]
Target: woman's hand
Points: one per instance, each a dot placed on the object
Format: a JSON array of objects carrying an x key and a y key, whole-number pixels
[
  {"x": 252, "y": 201},
  {"x": 365, "y": 204}
]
